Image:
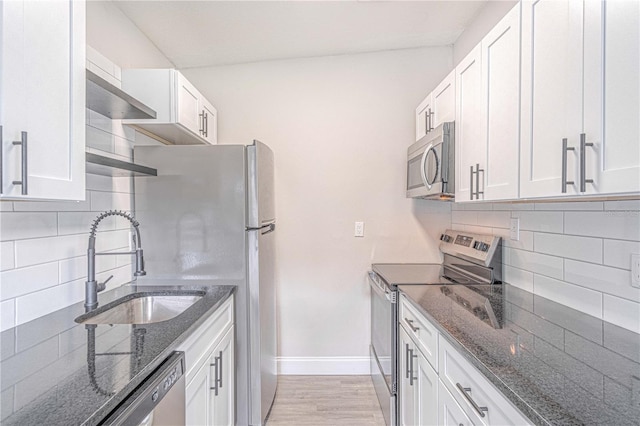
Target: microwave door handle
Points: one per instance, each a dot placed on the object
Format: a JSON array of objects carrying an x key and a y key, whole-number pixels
[{"x": 423, "y": 165}]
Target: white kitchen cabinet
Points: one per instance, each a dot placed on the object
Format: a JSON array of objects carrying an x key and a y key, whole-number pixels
[
  {"x": 438, "y": 107},
  {"x": 487, "y": 117},
  {"x": 449, "y": 412},
  {"x": 42, "y": 100},
  {"x": 580, "y": 85},
  {"x": 611, "y": 97},
  {"x": 418, "y": 385},
  {"x": 184, "y": 115},
  {"x": 424, "y": 118},
  {"x": 444, "y": 100},
  {"x": 210, "y": 367},
  {"x": 469, "y": 138}
]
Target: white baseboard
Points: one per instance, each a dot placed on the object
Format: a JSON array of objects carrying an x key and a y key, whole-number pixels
[{"x": 324, "y": 366}]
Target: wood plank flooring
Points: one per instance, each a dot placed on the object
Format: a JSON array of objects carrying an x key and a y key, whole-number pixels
[{"x": 325, "y": 400}]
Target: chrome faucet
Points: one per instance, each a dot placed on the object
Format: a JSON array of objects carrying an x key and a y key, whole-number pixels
[{"x": 92, "y": 287}]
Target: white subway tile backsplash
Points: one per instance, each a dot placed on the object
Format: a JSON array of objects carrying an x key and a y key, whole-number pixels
[
  {"x": 633, "y": 205},
  {"x": 6, "y": 206},
  {"x": 601, "y": 278},
  {"x": 622, "y": 312},
  {"x": 568, "y": 206},
  {"x": 109, "y": 184},
  {"x": 524, "y": 243},
  {"x": 7, "y": 314},
  {"x": 80, "y": 222},
  {"x": 540, "y": 221},
  {"x": 76, "y": 268},
  {"x": 581, "y": 248},
  {"x": 35, "y": 305},
  {"x": 518, "y": 278},
  {"x": 494, "y": 219},
  {"x": 513, "y": 206},
  {"x": 579, "y": 298},
  {"x": 623, "y": 224},
  {"x": 42, "y": 250},
  {"x": 101, "y": 201},
  {"x": 18, "y": 282},
  {"x": 7, "y": 256},
  {"x": 22, "y": 225},
  {"x": 464, "y": 217},
  {"x": 543, "y": 264},
  {"x": 618, "y": 253}
]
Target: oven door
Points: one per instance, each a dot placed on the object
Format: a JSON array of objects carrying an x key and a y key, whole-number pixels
[{"x": 383, "y": 346}]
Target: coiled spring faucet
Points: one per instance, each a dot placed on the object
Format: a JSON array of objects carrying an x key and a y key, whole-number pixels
[{"x": 92, "y": 287}]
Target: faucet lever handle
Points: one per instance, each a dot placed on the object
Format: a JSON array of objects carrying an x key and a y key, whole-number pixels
[{"x": 102, "y": 286}]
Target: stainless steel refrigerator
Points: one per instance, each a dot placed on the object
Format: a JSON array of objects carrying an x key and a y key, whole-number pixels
[{"x": 209, "y": 214}]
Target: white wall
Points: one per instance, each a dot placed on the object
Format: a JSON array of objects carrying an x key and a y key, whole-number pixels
[{"x": 339, "y": 127}]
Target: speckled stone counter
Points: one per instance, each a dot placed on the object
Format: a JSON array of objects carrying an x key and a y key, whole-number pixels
[
  {"x": 557, "y": 365},
  {"x": 57, "y": 372}
]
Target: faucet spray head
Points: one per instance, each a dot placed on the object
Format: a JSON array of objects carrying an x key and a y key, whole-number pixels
[{"x": 139, "y": 264}]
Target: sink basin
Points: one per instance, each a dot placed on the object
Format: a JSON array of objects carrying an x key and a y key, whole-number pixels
[{"x": 142, "y": 309}]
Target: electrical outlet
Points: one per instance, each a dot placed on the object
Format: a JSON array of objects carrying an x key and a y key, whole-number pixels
[
  {"x": 359, "y": 229},
  {"x": 514, "y": 229},
  {"x": 635, "y": 270}
]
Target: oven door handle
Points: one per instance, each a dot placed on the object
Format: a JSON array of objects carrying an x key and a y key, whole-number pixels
[{"x": 382, "y": 292}]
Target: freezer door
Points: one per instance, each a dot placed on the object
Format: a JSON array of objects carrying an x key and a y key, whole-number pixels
[
  {"x": 260, "y": 196},
  {"x": 262, "y": 322}
]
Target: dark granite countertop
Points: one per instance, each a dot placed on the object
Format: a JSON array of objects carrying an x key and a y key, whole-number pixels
[
  {"x": 57, "y": 372},
  {"x": 556, "y": 364}
]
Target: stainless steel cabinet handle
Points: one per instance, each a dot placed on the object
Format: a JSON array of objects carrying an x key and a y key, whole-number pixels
[
  {"x": 411, "y": 378},
  {"x": 406, "y": 357},
  {"x": 466, "y": 392},
  {"x": 206, "y": 125},
  {"x": 23, "y": 144},
  {"x": 426, "y": 122},
  {"x": 201, "y": 123},
  {"x": 431, "y": 114},
  {"x": 583, "y": 162},
  {"x": 471, "y": 173},
  {"x": 219, "y": 384},
  {"x": 565, "y": 182},
  {"x": 411, "y": 326},
  {"x": 478, "y": 170}
]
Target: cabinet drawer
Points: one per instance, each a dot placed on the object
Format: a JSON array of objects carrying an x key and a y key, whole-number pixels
[
  {"x": 420, "y": 330},
  {"x": 202, "y": 341},
  {"x": 468, "y": 386},
  {"x": 449, "y": 412}
]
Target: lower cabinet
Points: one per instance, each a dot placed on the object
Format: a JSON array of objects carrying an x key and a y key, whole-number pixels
[
  {"x": 210, "y": 359},
  {"x": 449, "y": 412},
  {"x": 418, "y": 385}
]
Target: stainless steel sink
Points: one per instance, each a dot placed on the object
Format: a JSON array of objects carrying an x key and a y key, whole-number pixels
[{"x": 142, "y": 309}]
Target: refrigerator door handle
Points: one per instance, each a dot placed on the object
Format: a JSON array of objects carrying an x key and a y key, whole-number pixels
[{"x": 269, "y": 227}]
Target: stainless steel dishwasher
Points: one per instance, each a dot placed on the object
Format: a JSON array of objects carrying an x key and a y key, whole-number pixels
[{"x": 158, "y": 401}]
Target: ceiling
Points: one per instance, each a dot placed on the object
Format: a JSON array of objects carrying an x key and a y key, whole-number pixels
[{"x": 208, "y": 33}]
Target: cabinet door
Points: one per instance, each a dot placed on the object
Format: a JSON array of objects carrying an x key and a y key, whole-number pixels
[
  {"x": 43, "y": 95},
  {"x": 444, "y": 100},
  {"x": 551, "y": 104},
  {"x": 407, "y": 397},
  {"x": 449, "y": 412},
  {"x": 209, "y": 122},
  {"x": 198, "y": 398},
  {"x": 469, "y": 138},
  {"x": 423, "y": 118},
  {"x": 188, "y": 105},
  {"x": 612, "y": 96},
  {"x": 223, "y": 393},
  {"x": 501, "y": 104},
  {"x": 427, "y": 392}
]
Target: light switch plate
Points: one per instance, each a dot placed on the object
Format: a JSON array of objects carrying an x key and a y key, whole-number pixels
[
  {"x": 359, "y": 229},
  {"x": 514, "y": 229}
]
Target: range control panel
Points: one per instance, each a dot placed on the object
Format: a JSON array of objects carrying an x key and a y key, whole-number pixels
[{"x": 479, "y": 248}]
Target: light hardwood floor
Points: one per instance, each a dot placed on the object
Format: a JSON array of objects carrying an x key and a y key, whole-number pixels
[{"x": 325, "y": 400}]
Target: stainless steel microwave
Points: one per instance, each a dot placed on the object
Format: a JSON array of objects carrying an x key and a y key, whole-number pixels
[{"x": 431, "y": 165}]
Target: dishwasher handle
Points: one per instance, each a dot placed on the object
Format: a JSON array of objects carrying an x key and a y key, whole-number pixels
[{"x": 143, "y": 400}]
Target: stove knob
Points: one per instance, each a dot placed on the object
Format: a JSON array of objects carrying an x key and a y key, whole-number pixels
[
  {"x": 477, "y": 245},
  {"x": 485, "y": 247}
]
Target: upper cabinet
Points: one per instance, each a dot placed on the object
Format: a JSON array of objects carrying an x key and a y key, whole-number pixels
[
  {"x": 487, "y": 115},
  {"x": 184, "y": 115},
  {"x": 580, "y": 98},
  {"x": 438, "y": 107},
  {"x": 42, "y": 101}
]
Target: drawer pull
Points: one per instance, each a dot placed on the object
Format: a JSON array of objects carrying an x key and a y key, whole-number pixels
[
  {"x": 411, "y": 326},
  {"x": 466, "y": 392}
]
